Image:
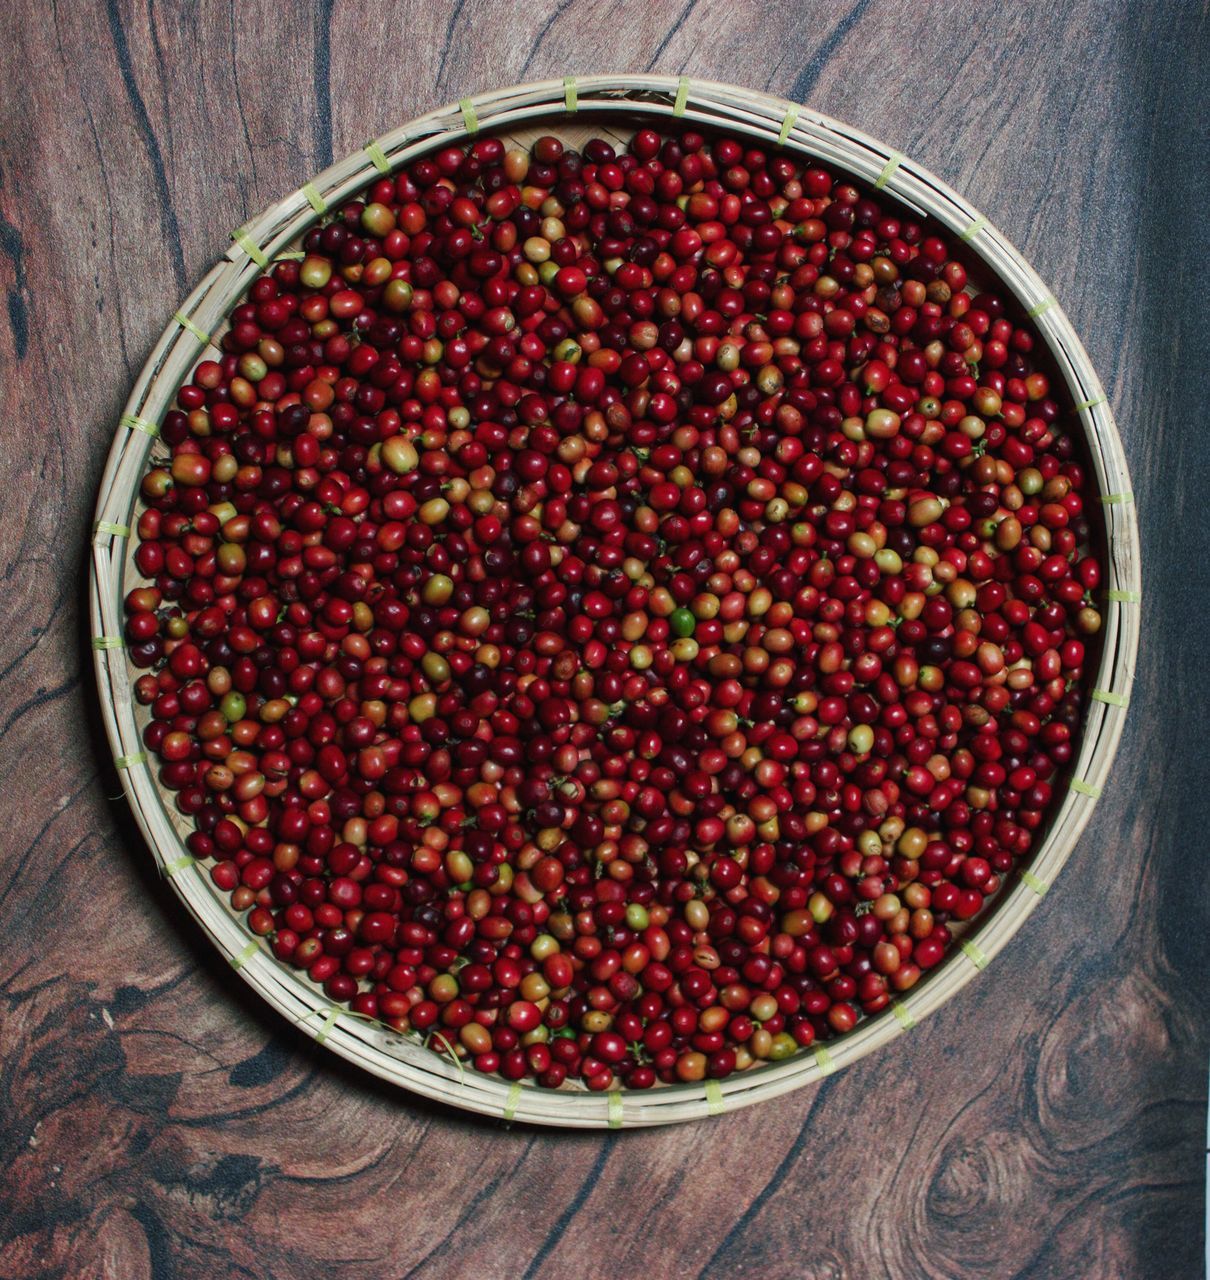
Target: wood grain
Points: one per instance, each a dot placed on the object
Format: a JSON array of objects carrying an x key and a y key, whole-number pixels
[{"x": 157, "y": 1122}]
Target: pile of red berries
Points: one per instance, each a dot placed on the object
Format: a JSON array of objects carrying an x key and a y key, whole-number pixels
[{"x": 615, "y": 611}]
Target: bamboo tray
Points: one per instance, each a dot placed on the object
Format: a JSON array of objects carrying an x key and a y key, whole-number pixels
[{"x": 577, "y": 108}]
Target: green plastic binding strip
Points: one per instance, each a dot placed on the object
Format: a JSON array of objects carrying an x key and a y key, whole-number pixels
[
  {"x": 134, "y": 423},
  {"x": 1123, "y": 597},
  {"x": 571, "y": 96},
  {"x": 250, "y": 247},
  {"x": 973, "y": 954},
  {"x": 824, "y": 1060},
  {"x": 377, "y": 157},
  {"x": 682, "y": 96},
  {"x": 291, "y": 255},
  {"x": 183, "y": 320},
  {"x": 973, "y": 230},
  {"x": 1089, "y": 404},
  {"x": 1108, "y": 696},
  {"x": 615, "y": 1109},
  {"x": 1116, "y": 499},
  {"x": 1039, "y": 307},
  {"x": 178, "y": 864},
  {"x": 1080, "y": 787},
  {"x": 470, "y": 116},
  {"x": 787, "y": 124},
  {"x": 108, "y": 642},
  {"x": 128, "y": 762},
  {"x": 314, "y": 199},
  {"x": 903, "y": 1014},
  {"x": 893, "y": 163},
  {"x": 510, "y": 1103},
  {"x": 241, "y": 958},
  {"x": 714, "y": 1098},
  {"x": 449, "y": 1048},
  {"x": 334, "y": 1012},
  {"x": 1031, "y": 881},
  {"x": 108, "y": 526},
  {"x": 328, "y": 1023}
]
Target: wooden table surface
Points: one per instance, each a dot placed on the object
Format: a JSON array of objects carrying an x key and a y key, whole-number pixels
[{"x": 156, "y": 1121}]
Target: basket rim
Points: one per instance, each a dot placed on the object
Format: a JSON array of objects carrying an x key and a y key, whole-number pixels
[{"x": 661, "y": 101}]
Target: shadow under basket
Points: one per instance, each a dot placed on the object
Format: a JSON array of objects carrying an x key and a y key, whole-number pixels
[{"x": 576, "y": 109}]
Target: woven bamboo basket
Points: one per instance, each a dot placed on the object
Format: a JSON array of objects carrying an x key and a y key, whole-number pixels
[{"x": 577, "y": 108}]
